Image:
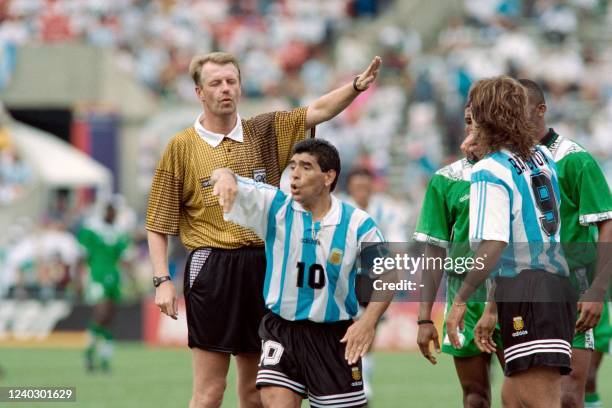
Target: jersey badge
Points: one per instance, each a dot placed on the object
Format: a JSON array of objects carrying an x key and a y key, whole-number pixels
[{"x": 335, "y": 257}]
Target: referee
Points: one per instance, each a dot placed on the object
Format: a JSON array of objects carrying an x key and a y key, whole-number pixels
[{"x": 225, "y": 271}]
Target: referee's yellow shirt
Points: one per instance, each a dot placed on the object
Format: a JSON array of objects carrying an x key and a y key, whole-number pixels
[{"x": 181, "y": 200}]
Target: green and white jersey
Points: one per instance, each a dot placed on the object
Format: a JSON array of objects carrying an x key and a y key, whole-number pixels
[
  {"x": 105, "y": 245},
  {"x": 585, "y": 198},
  {"x": 445, "y": 216}
]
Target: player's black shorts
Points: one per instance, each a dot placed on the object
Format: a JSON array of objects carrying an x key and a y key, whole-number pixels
[
  {"x": 308, "y": 359},
  {"x": 536, "y": 332},
  {"x": 224, "y": 299}
]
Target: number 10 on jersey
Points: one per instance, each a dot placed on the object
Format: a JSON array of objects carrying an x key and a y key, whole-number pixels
[{"x": 316, "y": 275}]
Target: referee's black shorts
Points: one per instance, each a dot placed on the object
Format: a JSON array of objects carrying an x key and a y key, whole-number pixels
[
  {"x": 308, "y": 359},
  {"x": 224, "y": 299},
  {"x": 537, "y": 315}
]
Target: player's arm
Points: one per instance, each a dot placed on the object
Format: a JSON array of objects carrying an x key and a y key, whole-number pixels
[
  {"x": 483, "y": 331},
  {"x": 591, "y": 305},
  {"x": 594, "y": 208},
  {"x": 434, "y": 228},
  {"x": 490, "y": 231},
  {"x": 489, "y": 227},
  {"x": 430, "y": 279},
  {"x": 488, "y": 253},
  {"x": 334, "y": 102},
  {"x": 604, "y": 258},
  {"x": 245, "y": 201},
  {"x": 360, "y": 335}
]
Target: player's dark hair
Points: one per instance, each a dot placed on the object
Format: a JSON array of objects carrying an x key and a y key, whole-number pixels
[
  {"x": 359, "y": 171},
  {"x": 326, "y": 154},
  {"x": 534, "y": 91}
]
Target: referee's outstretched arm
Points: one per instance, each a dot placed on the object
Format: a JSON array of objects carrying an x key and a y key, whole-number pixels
[{"x": 334, "y": 102}]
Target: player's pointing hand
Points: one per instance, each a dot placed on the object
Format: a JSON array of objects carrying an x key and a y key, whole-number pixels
[{"x": 225, "y": 187}]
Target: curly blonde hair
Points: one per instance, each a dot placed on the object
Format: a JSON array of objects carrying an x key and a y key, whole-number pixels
[{"x": 500, "y": 116}]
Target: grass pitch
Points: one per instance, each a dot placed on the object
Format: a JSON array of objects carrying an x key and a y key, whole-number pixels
[{"x": 161, "y": 377}]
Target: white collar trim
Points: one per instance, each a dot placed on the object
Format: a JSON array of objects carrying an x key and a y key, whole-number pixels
[
  {"x": 331, "y": 218},
  {"x": 214, "y": 139}
]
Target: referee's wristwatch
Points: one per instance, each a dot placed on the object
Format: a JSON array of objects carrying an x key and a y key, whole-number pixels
[{"x": 157, "y": 280}]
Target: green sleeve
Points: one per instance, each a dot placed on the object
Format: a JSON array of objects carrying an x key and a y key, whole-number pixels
[
  {"x": 84, "y": 236},
  {"x": 593, "y": 191},
  {"x": 434, "y": 221}
]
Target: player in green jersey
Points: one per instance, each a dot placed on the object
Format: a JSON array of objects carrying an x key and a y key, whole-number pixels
[
  {"x": 105, "y": 245},
  {"x": 586, "y": 213},
  {"x": 444, "y": 225}
]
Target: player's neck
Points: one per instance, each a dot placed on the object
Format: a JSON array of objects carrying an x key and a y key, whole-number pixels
[
  {"x": 222, "y": 124},
  {"x": 320, "y": 207},
  {"x": 542, "y": 132}
]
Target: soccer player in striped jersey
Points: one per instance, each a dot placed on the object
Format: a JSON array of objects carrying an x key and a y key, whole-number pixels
[
  {"x": 311, "y": 347},
  {"x": 515, "y": 229},
  {"x": 443, "y": 226},
  {"x": 586, "y": 218}
]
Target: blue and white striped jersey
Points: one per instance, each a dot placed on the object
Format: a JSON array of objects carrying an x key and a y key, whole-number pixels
[
  {"x": 311, "y": 266},
  {"x": 517, "y": 202}
]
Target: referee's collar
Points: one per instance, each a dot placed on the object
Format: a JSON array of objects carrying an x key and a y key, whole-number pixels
[
  {"x": 331, "y": 218},
  {"x": 214, "y": 139}
]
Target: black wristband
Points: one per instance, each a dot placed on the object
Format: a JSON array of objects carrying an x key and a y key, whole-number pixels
[
  {"x": 424, "y": 321},
  {"x": 355, "y": 85}
]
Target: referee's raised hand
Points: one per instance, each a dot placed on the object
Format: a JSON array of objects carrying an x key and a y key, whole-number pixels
[
  {"x": 225, "y": 187},
  {"x": 367, "y": 77}
]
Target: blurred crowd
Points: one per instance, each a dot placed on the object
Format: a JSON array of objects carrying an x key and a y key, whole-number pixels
[
  {"x": 155, "y": 40},
  {"x": 561, "y": 44}
]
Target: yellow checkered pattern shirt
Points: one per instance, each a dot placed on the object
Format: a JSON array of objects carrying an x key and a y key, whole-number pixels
[{"x": 181, "y": 200}]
